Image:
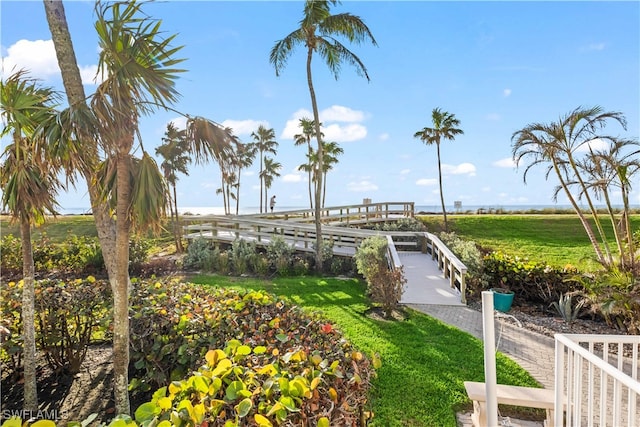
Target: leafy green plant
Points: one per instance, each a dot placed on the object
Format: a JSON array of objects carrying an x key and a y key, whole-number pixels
[
  {"x": 174, "y": 324},
  {"x": 242, "y": 252},
  {"x": 564, "y": 306},
  {"x": 533, "y": 282},
  {"x": 68, "y": 315},
  {"x": 10, "y": 255},
  {"x": 260, "y": 264},
  {"x": 280, "y": 255},
  {"x": 199, "y": 254},
  {"x": 384, "y": 285}
]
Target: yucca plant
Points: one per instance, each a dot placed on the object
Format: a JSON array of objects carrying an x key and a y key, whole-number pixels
[{"x": 566, "y": 309}]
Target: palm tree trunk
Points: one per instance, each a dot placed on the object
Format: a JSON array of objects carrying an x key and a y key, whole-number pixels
[
  {"x": 74, "y": 89},
  {"x": 444, "y": 210},
  {"x": 583, "y": 220},
  {"x": 121, "y": 294},
  {"x": 324, "y": 189},
  {"x": 594, "y": 211},
  {"x": 177, "y": 231},
  {"x": 318, "y": 186},
  {"x": 28, "y": 319},
  {"x": 261, "y": 180},
  {"x": 309, "y": 173},
  {"x": 614, "y": 226},
  {"x": 238, "y": 195}
]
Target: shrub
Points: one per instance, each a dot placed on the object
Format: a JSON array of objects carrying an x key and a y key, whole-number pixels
[
  {"x": 242, "y": 252},
  {"x": 280, "y": 255},
  {"x": 260, "y": 264},
  {"x": 384, "y": 285},
  {"x": 138, "y": 252},
  {"x": 174, "y": 325},
  {"x": 10, "y": 255},
  {"x": 199, "y": 254},
  {"x": 68, "y": 315},
  {"x": 532, "y": 281}
]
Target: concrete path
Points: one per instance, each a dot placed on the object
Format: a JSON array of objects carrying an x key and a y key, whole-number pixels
[{"x": 426, "y": 283}]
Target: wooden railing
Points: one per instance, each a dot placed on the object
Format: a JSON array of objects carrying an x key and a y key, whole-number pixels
[{"x": 301, "y": 234}]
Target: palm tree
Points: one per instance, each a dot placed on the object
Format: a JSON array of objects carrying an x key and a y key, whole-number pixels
[
  {"x": 308, "y": 129},
  {"x": 614, "y": 167},
  {"x": 29, "y": 186},
  {"x": 556, "y": 143},
  {"x": 317, "y": 32},
  {"x": 78, "y": 112},
  {"x": 138, "y": 78},
  {"x": 175, "y": 154},
  {"x": 264, "y": 141},
  {"x": 444, "y": 127},
  {"x": 137, "y": 67},
  {"x": 244, "y": 158},
  {"x": 331, "y": 152},
  {"x": 267, "y": 175}
]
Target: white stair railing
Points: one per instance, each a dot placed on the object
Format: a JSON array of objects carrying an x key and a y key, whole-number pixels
[{"x": 596, "y": 380}]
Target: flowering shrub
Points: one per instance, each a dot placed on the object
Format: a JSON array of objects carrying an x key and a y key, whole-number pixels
[{"x": 175, "y": 324}]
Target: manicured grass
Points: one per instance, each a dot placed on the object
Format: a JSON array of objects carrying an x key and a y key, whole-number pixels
[
  {"x": 425, "y": 362},
  {"x": 57, "y": 229},
  {"x": 556, "y": 239}
]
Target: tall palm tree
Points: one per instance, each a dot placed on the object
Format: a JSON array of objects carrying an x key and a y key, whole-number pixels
[
  {"x": 244, "y": 158},
  {"x": 308, "y": 130},
  {"x": 151, "y": 75},
  {"x": 270, "y": 171},
  {"x": 264, "y": 141},
  {"x": 137, "y": 66},
  {"x": 175, "y": 159},
  {"x": 78, "y": 112},
  {"x": 556, "y": 143},
  {"x": 331, "y": 152},
  {"x": 318, "y": 32},
  {"x": 29, "y": 186},
  {"x": 444, "y": 127},
  {"x": 613, "y": 168}
]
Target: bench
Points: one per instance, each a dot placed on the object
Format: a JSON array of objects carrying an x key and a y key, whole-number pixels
[{"x": 509, "y": 395}]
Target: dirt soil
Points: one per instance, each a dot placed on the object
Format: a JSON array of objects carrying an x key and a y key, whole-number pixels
[{"x": 64, "y": 398}]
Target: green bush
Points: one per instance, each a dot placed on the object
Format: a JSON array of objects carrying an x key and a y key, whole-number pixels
[
  {"x": 532, "y": 282},
  {"x": 174, "y": 325},
  {"x": 280, "y": 255},
  {"x": 10, "y": 255},
  {"x": 199, "y": 254},
  {"x": 242, "y": 253},
  {"x": 384, "y": 285},
  {"x": 70, "y": 315}
]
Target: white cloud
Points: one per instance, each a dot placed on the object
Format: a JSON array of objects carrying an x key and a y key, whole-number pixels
[
  {"x": 494, "y": 117},
  {"x": 361, "y": 186},
  {"x": 461, "y": 169},
  {"x": 208, "y": 185},
  {"x": 596, "y": 144},
  {"x": 339, "y": 132},
  {"x": 485, "y": 189},
  {"x": 39, "y": 58},
  {"x": 507, "y": 162},
  {"x": 292, "y": 177},
  {"x": 383, "y": 136},
  {"x": 405, "y": 171},
  {"x": 426, "y": 182},
  {"x": 339, "y": 113},
  {"x": 179, "y": 122},
  {"x": 506, "y": 92},
  {"x": 244, "y": 127},
  {"x": 348, "y": 133}
]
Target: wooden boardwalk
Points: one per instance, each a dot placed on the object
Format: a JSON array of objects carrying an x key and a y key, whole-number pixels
[
  {"x": 426, "y": 283},
  {"x": 434, "y": 274}
]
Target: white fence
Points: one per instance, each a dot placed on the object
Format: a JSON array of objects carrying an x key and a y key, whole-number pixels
[{"x": 597, "y": 380}]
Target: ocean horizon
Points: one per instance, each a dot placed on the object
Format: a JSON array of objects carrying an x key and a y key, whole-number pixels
[{"x": 219, "y": 210}]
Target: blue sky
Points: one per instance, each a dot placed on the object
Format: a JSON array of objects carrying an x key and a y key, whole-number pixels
[{"x": 497, "y": 66}]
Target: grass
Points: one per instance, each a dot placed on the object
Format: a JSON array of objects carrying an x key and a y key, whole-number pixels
[
  {"x": 556, "y": 239},
  {"x": 425, "y": 362},
  {"x": 57, "y": 229}
]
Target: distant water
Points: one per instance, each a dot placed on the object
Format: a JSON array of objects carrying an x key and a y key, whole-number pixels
[{"x": 219, "y": 210}]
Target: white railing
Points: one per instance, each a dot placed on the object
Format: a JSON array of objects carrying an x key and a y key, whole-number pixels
[
  {"x": 451, "y": 266},
  {"x": 597, "y": 380}
]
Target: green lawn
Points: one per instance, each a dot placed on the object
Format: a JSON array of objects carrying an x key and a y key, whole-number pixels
[
  {"x": 424, "y": 361},
  {"x": 558, "y": 239},
  {"x": 57, "y": 229}
]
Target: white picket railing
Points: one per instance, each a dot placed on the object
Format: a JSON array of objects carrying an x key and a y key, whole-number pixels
[{"x": 596, "y": 380}]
